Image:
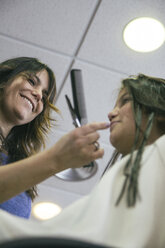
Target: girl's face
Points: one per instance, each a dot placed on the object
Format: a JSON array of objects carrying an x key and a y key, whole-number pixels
[
  {"x": 23, "y": 99},
  {"x": 122, "y": 127}
]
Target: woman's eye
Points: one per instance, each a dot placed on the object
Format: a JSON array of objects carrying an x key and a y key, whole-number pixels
[
  {"x": 31, "y": 81},
  {"x": 44, "y": 98}
]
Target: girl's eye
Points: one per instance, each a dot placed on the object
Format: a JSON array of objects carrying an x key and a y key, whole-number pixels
[{"x": 125, "y": 100}]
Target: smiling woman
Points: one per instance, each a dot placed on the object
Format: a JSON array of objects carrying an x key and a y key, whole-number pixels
[
  {"x": 25, "y": 108},
  {"x": 27, "y": 93},
  {"x": 24, "y": 100}
]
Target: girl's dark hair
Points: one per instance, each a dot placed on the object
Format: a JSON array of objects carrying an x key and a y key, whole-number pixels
[
  {"x": 28, "y": 139},
  {"x": 148, "y": 94}
]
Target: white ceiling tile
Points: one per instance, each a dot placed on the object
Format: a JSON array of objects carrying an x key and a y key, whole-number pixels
[
  {"x": 57, "y": 25},
  {"x": 104, "y": 45},
  {"x": 11, "y": 48},
  {"x": 52, "y": 195}
]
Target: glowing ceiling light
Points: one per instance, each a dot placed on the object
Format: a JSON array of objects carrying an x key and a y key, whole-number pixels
[
  {"x": 45, "y": 210},
  {"x": 144, "y": 34}
]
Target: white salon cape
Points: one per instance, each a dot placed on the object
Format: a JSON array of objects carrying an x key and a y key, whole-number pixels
[{"x": 96, "y": 219}]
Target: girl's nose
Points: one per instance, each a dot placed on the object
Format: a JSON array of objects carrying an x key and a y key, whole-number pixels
[{"x": 113, "y": 113}]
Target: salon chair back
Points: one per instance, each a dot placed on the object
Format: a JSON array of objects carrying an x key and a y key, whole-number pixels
[{"x": 48, "y": 242}]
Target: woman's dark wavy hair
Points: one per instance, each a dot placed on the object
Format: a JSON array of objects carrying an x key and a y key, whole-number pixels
[
  {"x": 148, "y": 94},
  {"x": 26, "y": 140}
]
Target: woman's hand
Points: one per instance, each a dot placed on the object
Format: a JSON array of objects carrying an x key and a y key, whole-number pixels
[
  {"x": 73, "y": 150},
  {"x": 78, "y": 148}
]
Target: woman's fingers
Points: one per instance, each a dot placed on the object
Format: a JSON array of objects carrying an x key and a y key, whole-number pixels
[
  {"x": 92, "y": 137},
  {"x": 98, "y": 154},
  {"x": 96, "y": 145},
  {"x": 89, "y": 141},
  {"x": 80, "y": 146},
  {"x": 95, "y": 126},
  {"x": 87, "y": 137},
  {"x": 93, "y": 154}
]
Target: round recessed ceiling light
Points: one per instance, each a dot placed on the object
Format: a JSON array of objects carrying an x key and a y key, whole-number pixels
[
  {"x": 45, "y": 210},
  {"x": 144, "y": 34}
]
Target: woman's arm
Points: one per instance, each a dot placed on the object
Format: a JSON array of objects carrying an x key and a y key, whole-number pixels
[{"x": 73, "y": 150}]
